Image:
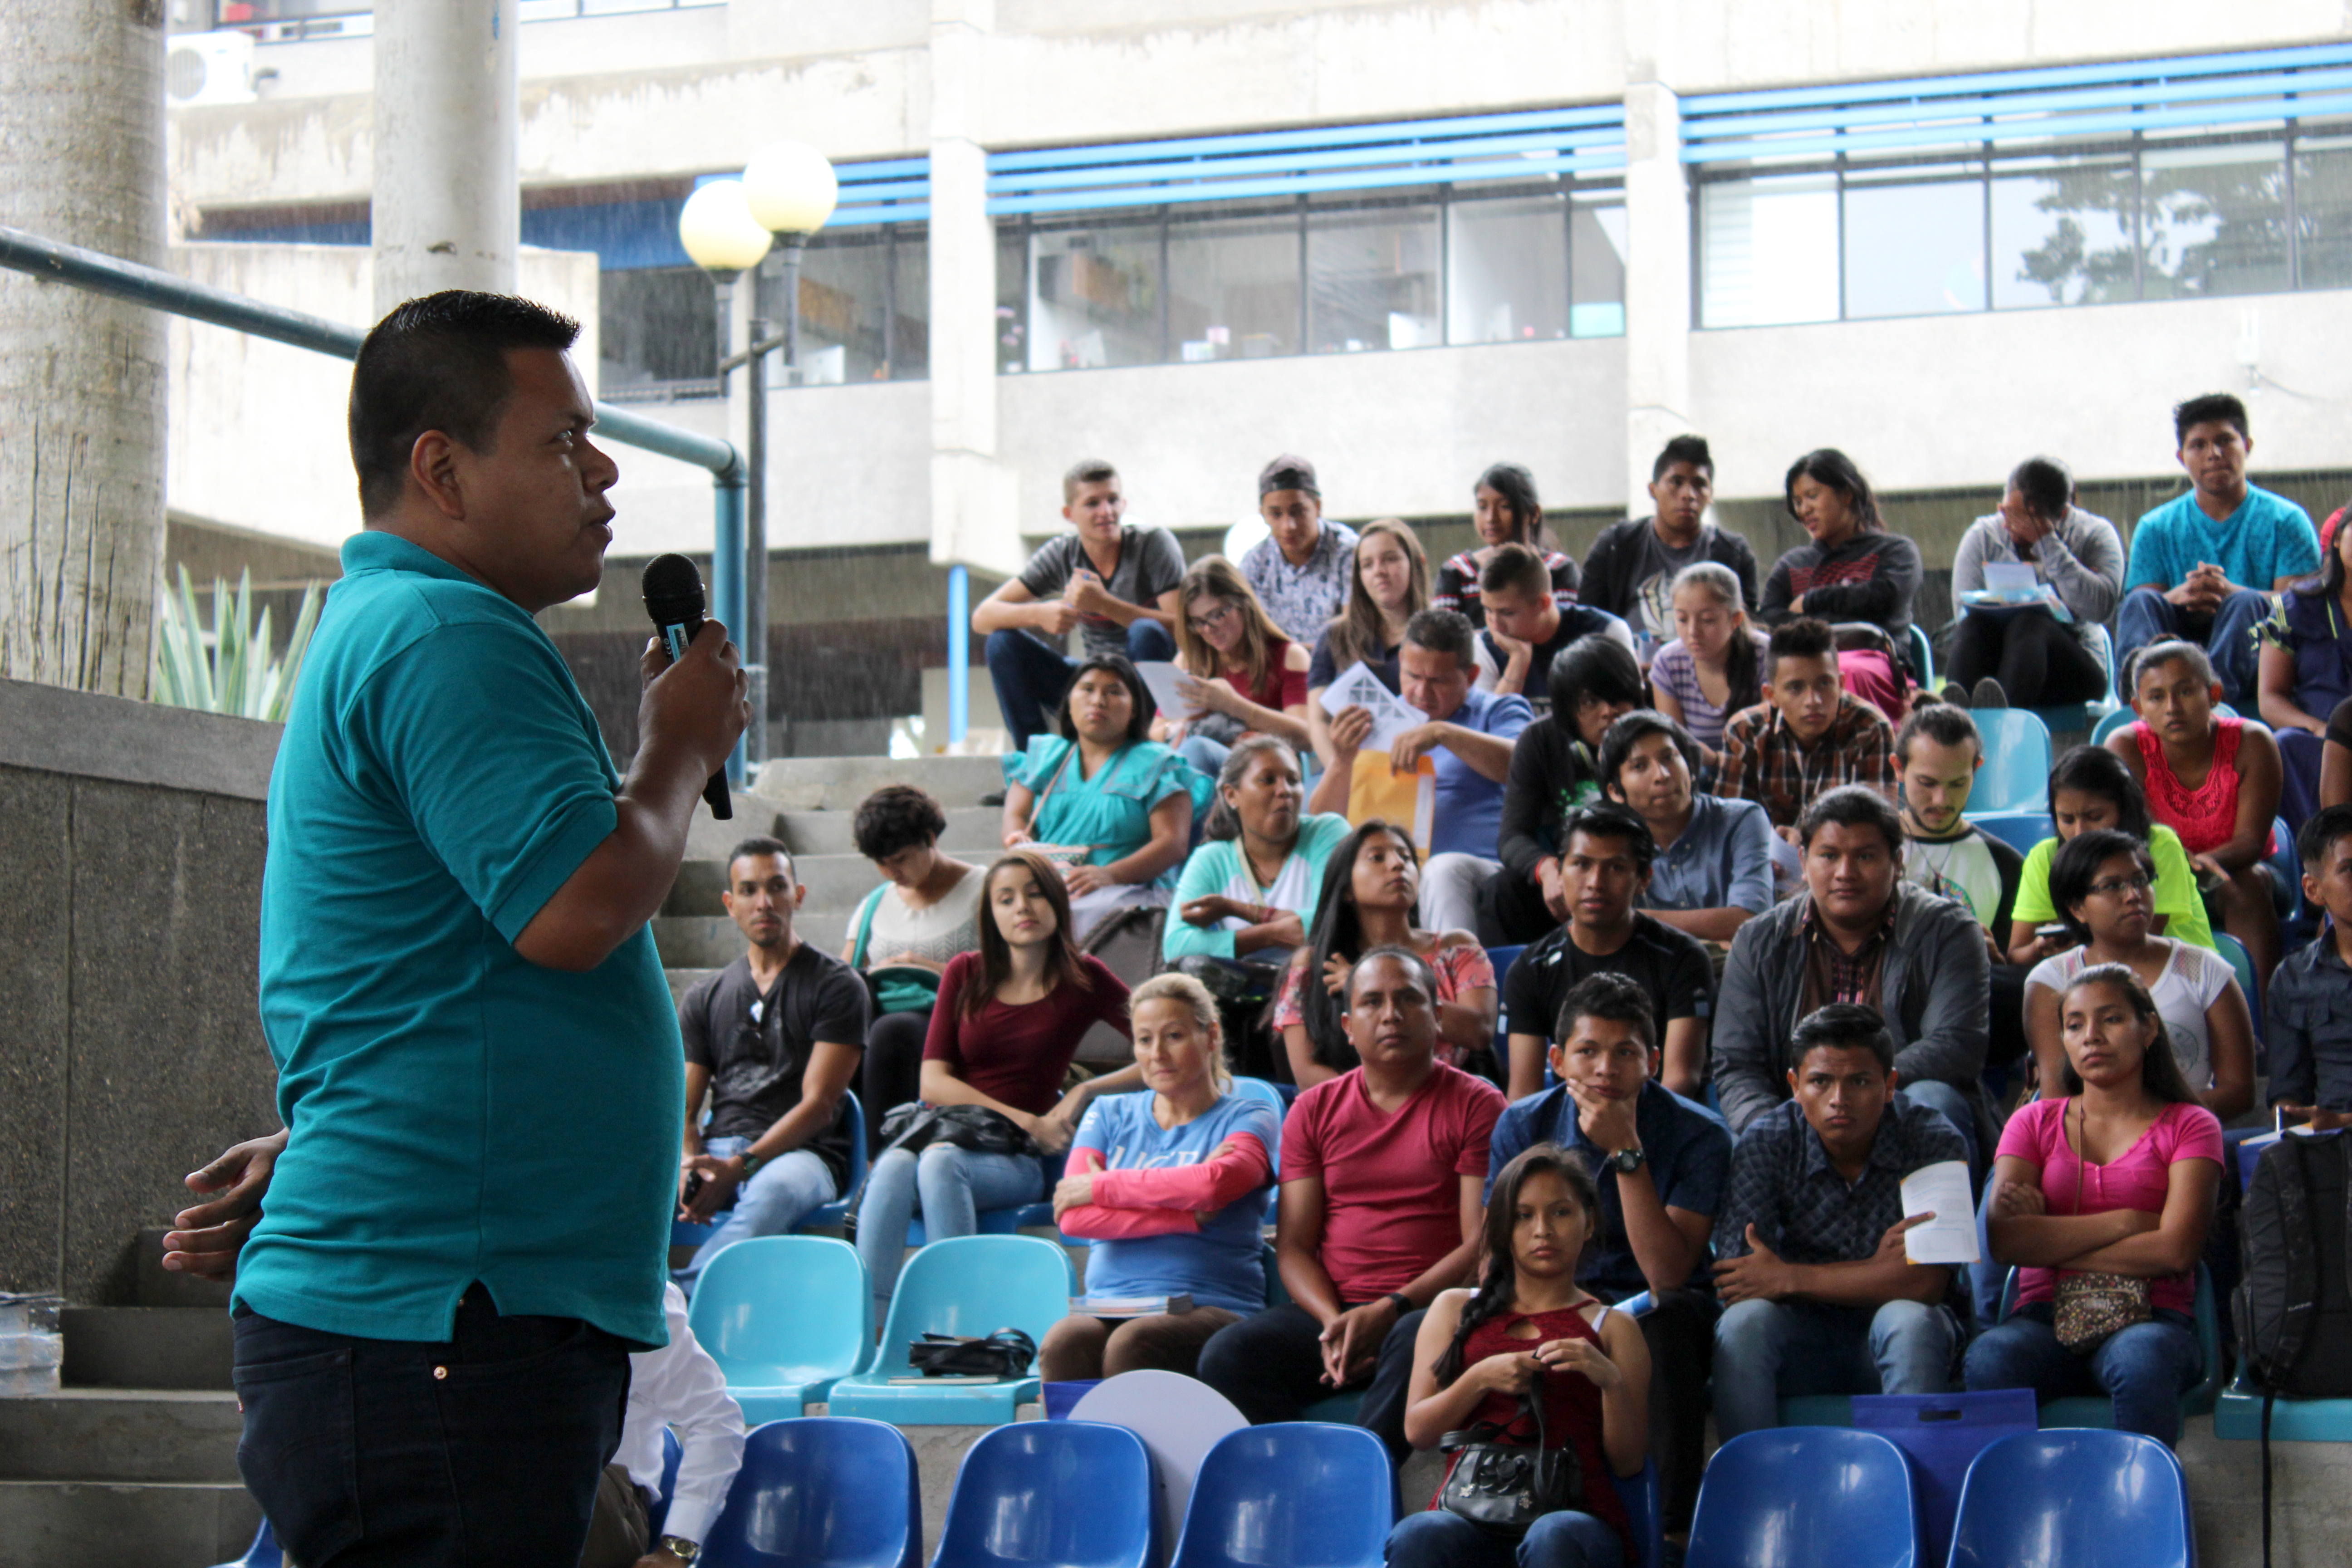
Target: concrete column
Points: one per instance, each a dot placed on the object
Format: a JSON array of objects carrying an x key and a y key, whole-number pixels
[
  {"x": 81, "y": 378},
  {"x": 447, "y": 209},
  {"x": 1657, "y": 281}
]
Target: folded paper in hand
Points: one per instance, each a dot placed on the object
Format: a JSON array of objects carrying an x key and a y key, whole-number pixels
[
  {"x": 1357, "y": 687},
  {"x": 1940, "y": 1189},
  {"x": 1161, "y": 677}
]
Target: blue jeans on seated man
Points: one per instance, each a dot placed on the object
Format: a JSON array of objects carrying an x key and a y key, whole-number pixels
[
  {"x": 2147, "y": 617},
  {"x": 780, "y": 1195},
  {"x": 951, "y": 1186},
  {"x": 1938, "y": 1094},
  {"x": 1031, "y": 677},
  {"x": 1769, "y": 1351},
  {"x": 1437, "y": 1539},
  {"x": 2145, "y": 1368}
]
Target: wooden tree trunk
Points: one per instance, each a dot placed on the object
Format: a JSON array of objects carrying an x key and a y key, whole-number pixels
[{"x": 81, "y": 377}]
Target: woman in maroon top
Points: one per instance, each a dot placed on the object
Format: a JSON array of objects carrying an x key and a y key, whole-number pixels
[
  {"x": 1530, "y": 1326},
  {"x": 1241, "y": 676},
  {"x": 1008, "y": 1021}
]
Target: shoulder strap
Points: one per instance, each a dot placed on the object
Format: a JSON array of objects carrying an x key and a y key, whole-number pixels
[
  {"x": 2300, "y": 1299},
  {"x": 866, "y": 925}
]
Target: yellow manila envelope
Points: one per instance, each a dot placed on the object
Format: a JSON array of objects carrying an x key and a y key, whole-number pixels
[{"x": 1376, "y": 789}]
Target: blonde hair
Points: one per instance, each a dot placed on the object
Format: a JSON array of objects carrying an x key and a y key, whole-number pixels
[
  {"x": 1214, "y": 577},
  {"x": 1191, "y": 993}
]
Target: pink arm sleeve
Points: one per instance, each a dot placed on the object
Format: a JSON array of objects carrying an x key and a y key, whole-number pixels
[{"x": 1126, "y": 1207}]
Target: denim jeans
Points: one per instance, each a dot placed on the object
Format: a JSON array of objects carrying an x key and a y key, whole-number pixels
[
  {"x": 2147, "y": 617},
  {"x": 484, "y": 1448},
  {"x": 1436, "y": 1538},
  {"x": 951, "y": 1186},
  {"x": 1937, "y": 1095},
  {"x": 772, "y": 1203},
  {"x": 1206, "y": 756},
  {"x": 2145, "y": 1368},
  {"x": 1030, "y": 677},
  {"x": 1270, "y": 1364},
  {"x": 1766, "y": 1351}
]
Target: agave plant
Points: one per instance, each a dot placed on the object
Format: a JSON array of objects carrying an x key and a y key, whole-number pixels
[{"x": 227, "y": 668}]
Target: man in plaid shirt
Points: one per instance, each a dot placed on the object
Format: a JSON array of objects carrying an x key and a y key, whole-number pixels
[{"x": 1808, "y": 736}]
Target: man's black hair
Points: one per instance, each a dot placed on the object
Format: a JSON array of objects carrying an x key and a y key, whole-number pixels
[
  {"x": 1426, "y": 976},
  {"x": 1807, "y": 637},
  {"x": 2210, "y": 408},
  {"x": 1596, "y": 666},
  {"x": 2045, "y": 485},
  {"x": 1852, "y": 805},
  {"x": 1626, "y": 732},
  {"x": 2320, "y": 830},
  {"x": 896, "y": 818},
  {"x": 762, "y": 844},
  {"x": 439, "y": 363},
  {"x": 1611, "y": 819},
  {"x": 1939, "y": 720},
  {"x": 1690, "y": 449},
  {"x": 1612, "y": 997},
  {"x": 1443, "y": 631},
  {"x": 1843, "y": 1026}
]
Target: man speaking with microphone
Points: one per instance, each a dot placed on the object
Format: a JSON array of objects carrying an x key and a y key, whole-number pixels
[{"x": 478, "y": 1064}]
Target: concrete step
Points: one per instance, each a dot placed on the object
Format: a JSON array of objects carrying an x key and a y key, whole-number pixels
[
  {"x": 146, "y": 1347},
  {"x": 834, "y": 884},
  {"x": 681, "y": 980},
  {"x": 838, "y": 783},
  {"x": 159, "y": 1287},
  {"x": 153, "y": 1524},
  {"x": 711, "y": 942},
  {"x": 120, "y": 1435},
  {"x": 707, "y": 838}
]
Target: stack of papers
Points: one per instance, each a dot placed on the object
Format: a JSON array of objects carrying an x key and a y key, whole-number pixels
[{"x": 1357, "y": 687}]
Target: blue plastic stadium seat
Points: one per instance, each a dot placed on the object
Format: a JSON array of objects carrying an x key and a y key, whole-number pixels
[
  {"x": 2238, "y": 1415},
  {"x": 1258, "y": 1089},
  {"x": 1640, "y": 1496},
  {"x": 2084, "y": 1498},
  {"x": 1051, "y": 1494},
  {"x": 964, "y": 1285},
  {"x": 2016, "y": 772},
  {"x": 1923, "y": 657},
  {"x": 2110, "y": 724},
  {"x": 1798, "y": 1496},
  {"x": 821, "y": 1492},
  {"x": 2022, "y": 830},
  {"x": 262, "y": 1553},
  {"x": 1338, "y": 1408},
  {"x": 2242, "y": 962},
  {"x": 2068, "y": 718},
  {"x": 1006, "y": 1221},
  {"x": 831, "y": 1215},
  {"x": 786, "y": 1317},
  {"x": 1317, "y": 1496},
  {"x": 2098, "y": 1410}
]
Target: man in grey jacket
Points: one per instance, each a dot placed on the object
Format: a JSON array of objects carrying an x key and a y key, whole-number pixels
[
  {"x": 2030, "y": 658},
  {"x": 1859, "y": 933}
]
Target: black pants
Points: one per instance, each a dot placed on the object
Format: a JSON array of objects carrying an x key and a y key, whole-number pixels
[
  {"x": 484, "y": 1450},
  {"x": 2038, "y": 663},
  {"x": 1679, "y": 1330},
  {"x": 2008, "y": 1045},
  {"x": 1271, "y": 1367},
  {"x": 892, "y": 1073},
  {"x": 1512, "y": 912}
]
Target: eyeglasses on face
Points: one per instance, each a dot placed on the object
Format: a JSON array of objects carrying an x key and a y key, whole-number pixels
[
  {"x": 2116, "y": 887},
  {"x": 1212, "y": 621}
]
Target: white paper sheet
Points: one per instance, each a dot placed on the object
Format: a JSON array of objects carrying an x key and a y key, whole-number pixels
[
  {"x": 2009, "y": 577},
  {"x": 1357, "y": 687},
  {"x": 1161, "y": 675},
  {"x": 1942, "y": 1190}
]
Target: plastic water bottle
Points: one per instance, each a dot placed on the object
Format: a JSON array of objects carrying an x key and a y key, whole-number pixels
[{"x": 31, "y": 1347}]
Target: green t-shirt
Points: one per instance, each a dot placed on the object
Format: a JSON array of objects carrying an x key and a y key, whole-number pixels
[
  {"x": 2176, "y": 888},
  {"x": 459, "y": 1113}
]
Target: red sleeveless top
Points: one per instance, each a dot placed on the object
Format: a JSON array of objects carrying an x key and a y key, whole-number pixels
[{"x": 2207, "y": 816}]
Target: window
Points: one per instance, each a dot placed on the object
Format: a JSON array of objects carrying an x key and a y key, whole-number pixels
[
  {"x": 1508, "y": 276},
  {"x": 656, "y": 326},
  {"x": 2323, "y": 212},
  {"x": 2062, "y": 232},
  {"x": 1596, "y": 247},
  {"x": 1371, "y": 279},
  {"x": 2213, "y": 220},
  {"x": 1767, "y": 250},
  {"x": 1094, "y": 296},
  {"x": 1232, "y": 284},
  {"x": 1916, "y": 247}
]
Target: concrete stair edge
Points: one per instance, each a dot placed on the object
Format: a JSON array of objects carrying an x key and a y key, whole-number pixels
[
  {"x": 146, "y": 1348},
  {"x": 108, "y": 1525},
  {"x": 126, "y": 1436}
]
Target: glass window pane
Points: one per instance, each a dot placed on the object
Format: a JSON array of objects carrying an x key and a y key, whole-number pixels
[
  {"x": 2322, "y": 213},
  {"x": 1372, "y": 280},
  {"x": 1232, "y": 284},
  {"x": 1914, "y": 248},
  {"x": 1597, "y": 247},
  {"x": 2215, "y": 220},
  {"x": 1507, "y": 270},
  {"x": 1011, "y": 295},
  {"x": 1767, "y": 250},
  {"x": 910, "y": 295},
  {"x": 843, "y": 285},
  {"x": 656, "y": 324},
  {"x": 1094, "y": 296},
  {"x": 2062, "y": 233}
]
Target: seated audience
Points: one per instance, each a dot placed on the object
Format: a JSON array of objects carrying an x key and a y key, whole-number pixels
[
  {"x": 1809, "y": 734},
  {"x": 2204, "y": 564},
  {"x": 774, "y": 1038},
  {"x": 1369, "y": 890},
  {"x": 1389, "y": 586},
  {"x": 1505, "y": 511},
  {"x": 1112, "y": 809},
  {"x": 2310, "y": 1014},
  {"x": 1854, "y": 570},
  {"x": 2306, "y": 675},
  {"x": 925, "y": 912},
  {"x": 1116, "y": 584},
  {"x": 1820, "y": 1296},
  {"x": 1635, "y": 566},
  {"x": 1241, "y": 675},
  {"x": 1300, "y": 571},
  {"x": 1659, "y": 1162},
  {"x": 2113, "y": 1176},
  {"x": 1467, "y": 740},
  {"x": 1603, "y": 868},
  {"x": 1008, "y": 1019},
  {"x": 1714, "y": 869},
  {"x": 1381, "y": 1169},
  {"x": 1858, "y": 933},
  {"x": 678, "y": 1388},
  {"x": 1170, "y": 1185},
  {"x": 1530, "y": 1330},
  {"x": 2225, "y": 815},
  {"x": 2030, "y": 658},
  {"x": 1715, "y": 667},
  {"x": 1553, "y": 770},
  {"x": 2336, "y": 757},
  {"x": 1526, "y": 628},
  {"x": 2104, "y": 884},
  {"x": 1248, "y": 891},
  {"x": 2089, "y": 788}
]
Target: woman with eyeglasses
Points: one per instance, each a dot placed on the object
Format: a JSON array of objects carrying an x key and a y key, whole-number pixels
[
  {"x": 1241, "y": 676},
  {"x": 2102, "y": 883}
]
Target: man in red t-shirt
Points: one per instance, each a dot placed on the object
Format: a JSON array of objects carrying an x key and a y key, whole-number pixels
[{"x": 1382, "y": 1168}]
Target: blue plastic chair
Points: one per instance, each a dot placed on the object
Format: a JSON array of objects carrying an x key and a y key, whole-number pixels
[
  {"x": 262, "y": 1553},
  {"x": 2238, "y": 1415},
  {"x": 964, "y": 1285},
  {"x": 2021, "y": 830},
  {"x": 786, "y": 1317},
  {"x": 2110, "y": 724},
  {"x": 1051, "y": 1494},
  {"x": 2243, "y": 962},
  {"x": 1797, "y": 1497},
  {"x": 2088, "y": 1500},
  {"x": 1923, "y": 657},
  {"x": 821, "y": 1492},
  {"x": 2016, "y": 772},
  {"x": 1301, "y": 1493},
  {"x": 2098, "y": 1411},
  {"x": 1009, "y": 1221},
  {"x": 1258, "y": 1089},
  {"x": 1640, "y": 1496},
  {"x": 1817, "y": 1410},
  {"x": 2068, "y": 717}
]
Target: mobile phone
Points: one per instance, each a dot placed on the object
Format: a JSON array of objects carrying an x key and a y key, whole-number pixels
[
  {"x": 693, "y": 1187},
  {"x": 2052, "y": 932}
]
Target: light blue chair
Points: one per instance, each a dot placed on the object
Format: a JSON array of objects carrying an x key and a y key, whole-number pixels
[
  {"x": 2021, "y": 830},
  {"x": 786, "y": 1317},
  {"x": 1258, "y": 1089},
  {"x": 1302, "y": 1494},
  {"x": 262, "y": 1553},
  {"x": 2098, "y": 1411},
  {"x": 2242, "y": 963},
  {"x": 2084, "y": 1498},
  {"x": 1798, "y": 1496},
  {"x": 2110, "y": 724},
  {"x": 2238, "y": 1415},
  {"x": 964, "y": 1285},
  {"x": 1051, "y": 1494},
  {"x": 1008, "y": 1221},
  {"x": 1501, "y": 959},
  {"x": 821, "y": 1492},
  {"x": 1923, "y": 657},
  {"x": 2016, "y": 772}
]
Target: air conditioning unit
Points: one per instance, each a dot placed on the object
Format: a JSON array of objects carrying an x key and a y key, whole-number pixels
[{"x": 209, "y": 67}]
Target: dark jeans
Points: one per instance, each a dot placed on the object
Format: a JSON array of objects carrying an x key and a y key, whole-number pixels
[
  {"x": 1030, "y": 677},
  {"x": 1271, "y": 1367},
  {"x": 892, "y": 1072},
  {"x": 484, "y": 1450},
  {"x": 1679, "y": 1329},
  {"x": 2038, "y": 663},
  {"x": 2147, "y": 617},
  {"x": 2145, "y": 1368}
]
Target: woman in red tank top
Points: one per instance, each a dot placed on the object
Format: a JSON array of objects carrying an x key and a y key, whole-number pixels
[
  {"x": 2215, "y": 781},
  {"x": 1480, "y": 1351}
]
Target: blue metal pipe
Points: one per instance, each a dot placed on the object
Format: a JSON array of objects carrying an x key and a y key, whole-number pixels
[
  {"x": 959, "y": 652},
  {"x": 727, "y": 580}
]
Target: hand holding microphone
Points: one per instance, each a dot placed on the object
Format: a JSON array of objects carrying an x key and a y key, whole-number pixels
[{"x": 696, "y": 692}]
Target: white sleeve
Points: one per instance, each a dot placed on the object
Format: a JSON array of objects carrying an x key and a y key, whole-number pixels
[
  {"x": 679, "y": 1386},
  {"x": 2213, "y": 976}
]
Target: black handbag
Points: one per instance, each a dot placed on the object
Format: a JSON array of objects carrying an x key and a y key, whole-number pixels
[
  {"x": 916, "y": 1126},
  {"x": 1007, "y": 1353},
  {"x": 1502, "y": 1487}
]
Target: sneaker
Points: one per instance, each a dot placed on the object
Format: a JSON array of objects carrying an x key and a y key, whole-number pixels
[
  {"x": 1955, "y": 694},
  {"x": 1987, "y": 693}
]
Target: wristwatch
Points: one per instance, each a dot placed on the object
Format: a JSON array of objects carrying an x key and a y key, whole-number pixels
[
  {"x": 751, "y": 1163},
  {"x": 1403, "y": 1302},
  {"x": 679, "y": 1547},
  {"x": 1625, "y": 1162}
]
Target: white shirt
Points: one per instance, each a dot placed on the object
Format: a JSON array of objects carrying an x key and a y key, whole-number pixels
[
  {"x": 2193, "y": 979},
  {"x": 679, "y": 1386}
]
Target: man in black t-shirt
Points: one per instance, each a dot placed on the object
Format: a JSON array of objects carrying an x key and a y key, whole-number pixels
[
  {"x": 776, "y": 1037},
  {"x": 1526, "y": 626},
  {"x": 1603, "y": 868}
]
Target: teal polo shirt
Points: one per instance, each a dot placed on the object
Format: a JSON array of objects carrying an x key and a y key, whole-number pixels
[
  {"x": 2267, "y": 538},
  {"x": 457, "y": 1114}
]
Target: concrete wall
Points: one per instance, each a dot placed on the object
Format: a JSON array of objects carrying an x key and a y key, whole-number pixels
[{"x": 130, "y": 1052}]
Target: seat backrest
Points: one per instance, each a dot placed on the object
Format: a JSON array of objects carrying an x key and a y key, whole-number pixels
[
  {"x": 1071, "y": 1494},
  {"x": 821, "y": 1492},
  {"x": 2021, "y": 830},
  {"x": 976, "y": 1285},
  {"x": 2110, "y": 724},
  {"x": 777, "y": 1303},
  {"x": 1258, "y": 1089},
  {"x": 2242, "y": 964},
  {"x": 2079, "y": 1496},
  {"x": 857, "y": 1151},
  {"x": 1792, "y": 1497},
  {"x": 2016, "y": 772},
  {"x": 1304, "y": 1494}
]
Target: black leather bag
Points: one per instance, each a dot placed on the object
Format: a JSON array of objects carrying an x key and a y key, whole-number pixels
[
  {"x": 1502, "y": 1487},
  {"x": 916, "y": 1126},
  {"x": 1007, "y": 1353}
]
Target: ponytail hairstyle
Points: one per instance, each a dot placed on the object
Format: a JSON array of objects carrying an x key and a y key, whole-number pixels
[
  {"x": 1356, "y": 632},
  {"x": 1500, "y": 1284},
  {"x": 1339, "y": 929},
  {"x": 1741, "y": 668}
]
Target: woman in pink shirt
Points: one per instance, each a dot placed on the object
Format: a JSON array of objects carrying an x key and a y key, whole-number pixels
[{"x": 2114, "y": 1179}]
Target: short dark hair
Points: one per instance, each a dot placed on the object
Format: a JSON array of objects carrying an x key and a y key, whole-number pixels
[
  {"x": 1086, "y": 471},
  {"x": 1634, "y": 727},
  {"x": 1138, "y": 720},
  {"x": 1807, "y": 637},
  {"x": 439, "y": 363},
  {"x": 2320, "y": 830},
  {"x": 1443, "y": 631},
  {"x": 1594, "y": 666},
  {"x": 1616, "y": 998},
  {"x": 1829, "y": 466},
  {"x": 1852, "y": 805},
  {"x": 2076, "y": 865},
  {"x": 896, "y": 818},
  {"x": 1404, "y": 955},
  {"x": 2094, "y": 770},
  {"x": 2208, "y": 409},
  {"x": 1939, "y": 720},
  {"x": 1611, "y": 819},
  {"x": 1515, "y": 568},
  {"x": 1843, "y": 1026},
  {"x": 762, "y": 844},
  {"x": 1690, "y": 449},
  {"x": 2045, "y": 485}
]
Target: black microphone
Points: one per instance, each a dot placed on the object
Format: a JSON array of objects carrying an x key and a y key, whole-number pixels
[{"x": 674, "y": 599}]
